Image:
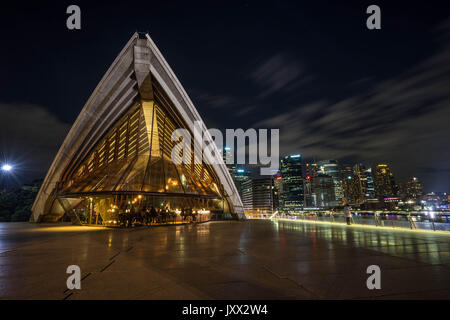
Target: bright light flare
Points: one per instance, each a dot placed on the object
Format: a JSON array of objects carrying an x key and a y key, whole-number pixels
[{"x": 6, "y": 167}]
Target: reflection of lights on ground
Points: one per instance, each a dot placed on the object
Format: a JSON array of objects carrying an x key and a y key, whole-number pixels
[
  {"x": 343, "y": 224},
  {"x": 65, "y": 229}
]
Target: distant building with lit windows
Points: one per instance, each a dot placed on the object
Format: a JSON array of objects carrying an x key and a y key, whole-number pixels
[
  {"x": 324, "y": 191},
  {"x": 278, "y": 189},
  {"x": 358, "y": 184},
  {"x": 291, "y": 171},
  {"x": 226, "y": 154},
  {"x": 312, "y": 169},
  {"x": 331, "y": 168},
  {"x": 414, "y": 189},
  {"x": 384, "y": 182},
  {"x": 239, "y": 176},
  {"x": 349, "y": 185},
  {"x": 370, "y": 192},
  {"x": 258, "y": 196},
  {"x": 309, "y": 202},
  {"x": 361, "y": 183}
]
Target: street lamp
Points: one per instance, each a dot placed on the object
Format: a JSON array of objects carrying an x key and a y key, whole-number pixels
[
  {"x": 6, "y": 167},
  {"x": 5, "y": 174}
]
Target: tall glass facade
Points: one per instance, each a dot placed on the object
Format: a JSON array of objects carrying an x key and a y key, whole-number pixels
[
  {"x": 293, "y": 193},
  {"x": 331, "y": 168}
]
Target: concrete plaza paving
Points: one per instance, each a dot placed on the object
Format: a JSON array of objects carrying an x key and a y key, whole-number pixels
[{"x": 257, "y": 259}]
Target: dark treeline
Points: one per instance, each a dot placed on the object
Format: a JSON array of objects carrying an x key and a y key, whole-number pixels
[{"x": 15, "y": 205}]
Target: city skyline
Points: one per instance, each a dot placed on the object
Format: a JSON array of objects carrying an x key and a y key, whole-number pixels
[
  {"x": 327, "y": 186},
  {"x": 368, "y": 165}
]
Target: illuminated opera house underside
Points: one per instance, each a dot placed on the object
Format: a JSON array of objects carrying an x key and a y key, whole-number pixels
[{"x": 117, "y": 155}]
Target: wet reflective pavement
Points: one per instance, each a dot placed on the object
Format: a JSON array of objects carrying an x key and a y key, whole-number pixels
[{"x": 257, "y": 259}]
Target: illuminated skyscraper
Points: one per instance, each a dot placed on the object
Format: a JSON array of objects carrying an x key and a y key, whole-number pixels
[
  {"x": 258, "y": 196},
  {"x": 357, "y": 183},
  {"x": 331, "y": 168},
  {"x": 370, "y": 194},
  {"x": 227, "y": 155},
  {"x": 349, "y": 185},
  {"x": 384, "y": 182},
  {"x": 414, "y": 189},
  {"x": 278, "y": 189},
  {"x": 291, "y": 171},
  {"x": 240, "y": 175},
  {"x": 312, "y": 169},
  {"x": 309, "y": 201},
  {"x": 361, "y": 183},
  {"x": 323, "y": 192}
]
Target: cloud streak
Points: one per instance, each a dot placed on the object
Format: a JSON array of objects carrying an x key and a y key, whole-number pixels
[
  {"x": 31, "y": 135},
  {"x": 403, "y": 120},
  {"x": 280, "y": 72}
]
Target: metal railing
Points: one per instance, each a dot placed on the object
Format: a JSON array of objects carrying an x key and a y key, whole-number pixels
[{"x": 438, "y": 223}]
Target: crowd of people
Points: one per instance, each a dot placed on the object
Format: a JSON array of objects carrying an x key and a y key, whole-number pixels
[{"x": 152, "y": 215}]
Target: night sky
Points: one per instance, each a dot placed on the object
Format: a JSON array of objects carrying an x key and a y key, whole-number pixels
[{"x": 335, "y": 89}]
